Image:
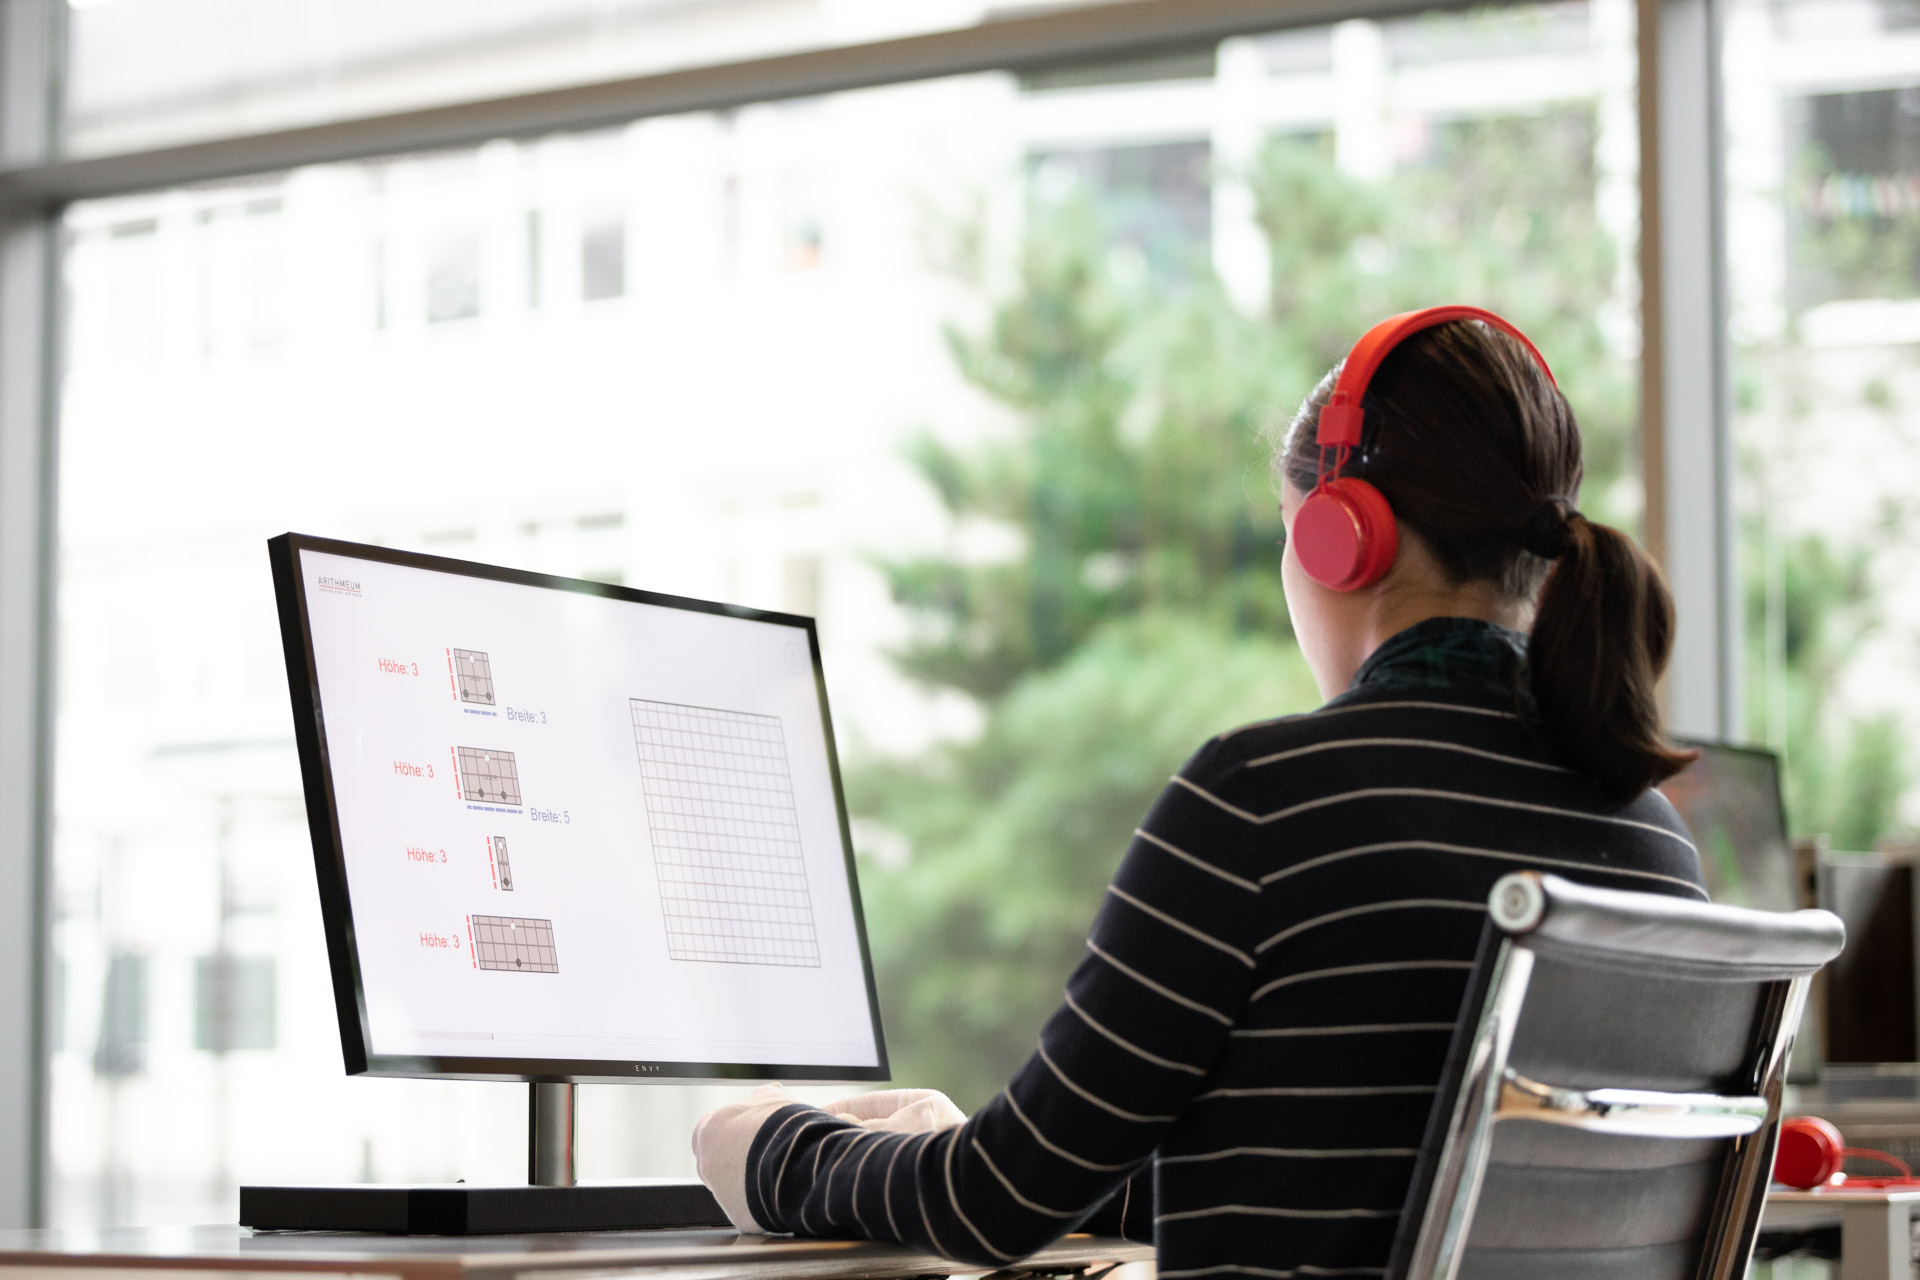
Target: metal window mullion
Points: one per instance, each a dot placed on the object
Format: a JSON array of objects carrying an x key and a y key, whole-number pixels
[
  {"x": 30, "y": 56},
  {"x": 1686, "y": 384}
]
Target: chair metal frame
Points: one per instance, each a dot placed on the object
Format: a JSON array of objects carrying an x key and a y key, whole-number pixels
[{"x": 1491, "y": 1091}]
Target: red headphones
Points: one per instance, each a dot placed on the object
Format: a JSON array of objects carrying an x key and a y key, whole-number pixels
[
  {"x": 1811, "y": 1152},
  {"x": 1344, "y": 533}
]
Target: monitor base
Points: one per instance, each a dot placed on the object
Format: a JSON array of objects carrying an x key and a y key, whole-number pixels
[{"x": 461, "y": 1210}]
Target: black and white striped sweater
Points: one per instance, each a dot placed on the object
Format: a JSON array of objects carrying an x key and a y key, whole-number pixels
[{"x": 1267, "y": 995}]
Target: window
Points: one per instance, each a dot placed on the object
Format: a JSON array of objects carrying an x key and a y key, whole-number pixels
[
  {"x": 533, "y": 258},
  {"x": 1824, "y": 222},
  {"x": 801, "y": 585},
  {"x": 974, "y": 366},
  {"x": 804, "y": 237},
  {"x": 453, "y": 275},
  {"x": 603, "y": 258},
  {"x": 120, "y": 1050},
  {"x": 1156, "y": 200},
  {"x": 233, "y": 1002}
]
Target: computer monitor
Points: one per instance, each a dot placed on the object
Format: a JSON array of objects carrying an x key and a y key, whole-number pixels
[
  {"x": 1871, "y": 986},
  {"x": 1869, "y": 996},
  {"x": 1731, "y": 801},
  {"x": 570, "y": 831}
]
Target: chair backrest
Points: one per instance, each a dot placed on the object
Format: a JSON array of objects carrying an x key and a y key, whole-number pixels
[{"x": 1612, "y": 1095}]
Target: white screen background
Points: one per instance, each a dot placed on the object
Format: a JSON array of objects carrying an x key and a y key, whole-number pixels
[{"x": 565, "y": 667}]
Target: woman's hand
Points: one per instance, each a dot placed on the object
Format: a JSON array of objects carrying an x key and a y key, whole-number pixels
[
  {"x": 899, "y": 1110},
  {"x": 721, "y": 1139},
  {"x": 724, "y": 1135}
]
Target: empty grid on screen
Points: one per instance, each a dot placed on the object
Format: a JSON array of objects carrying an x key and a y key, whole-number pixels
[
  {"x": 514, "y": 944},
  {"x": 726, "y": 841},
  {"x": 489, "y": 775},
  {"x": 475, "y": 673}
]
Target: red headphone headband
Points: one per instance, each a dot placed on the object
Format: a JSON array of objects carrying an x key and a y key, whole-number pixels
[
  {"x": 1340, "y": 419},
  {"x": 1344, "y": 534}
]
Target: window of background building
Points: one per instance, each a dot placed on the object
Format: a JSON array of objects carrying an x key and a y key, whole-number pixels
[
  {"x": 1156, "y": 200},
  {"x": 1823, "y": 112},
  {"x": 534, "y": 250},
  {"x": 233, "y": 1002},
  {"x": 453, "y": 275},
  {"x": 973, "y": 368},
  {"x": 603, "y": 256}
]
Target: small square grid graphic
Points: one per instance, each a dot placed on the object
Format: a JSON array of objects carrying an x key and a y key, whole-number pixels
[
  {"x": 489, "y": 775},
  {"x": 500, "y": 866},
  {"x": 475, "y": 675},
  {"x": 514, "y": 944},
  {"x": 726, "y": 840}
]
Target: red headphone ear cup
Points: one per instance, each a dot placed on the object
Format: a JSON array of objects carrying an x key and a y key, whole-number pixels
[
  {"x": 1811, "y": 1151},
  {"x": 1344, "y": 534}
]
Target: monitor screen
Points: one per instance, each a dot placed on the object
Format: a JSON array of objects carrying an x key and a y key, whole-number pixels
[
  {"x": 1730, "y": 799},
  {"x": 571, "y": 830}
]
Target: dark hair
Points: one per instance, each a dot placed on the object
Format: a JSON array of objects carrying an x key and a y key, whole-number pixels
[{"x": 1479, "y": 454}]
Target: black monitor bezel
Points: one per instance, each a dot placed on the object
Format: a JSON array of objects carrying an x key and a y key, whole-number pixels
[{"x": 336, "y": 909}]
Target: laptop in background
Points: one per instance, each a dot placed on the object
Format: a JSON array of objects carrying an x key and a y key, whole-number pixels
[{"x": 1730, "y": 798}]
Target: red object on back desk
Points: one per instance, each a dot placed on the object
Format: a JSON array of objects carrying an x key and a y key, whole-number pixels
[{"x": 1812, "y": 1153}]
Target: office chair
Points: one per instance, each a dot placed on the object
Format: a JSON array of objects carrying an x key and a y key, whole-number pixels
[{"x": 1612, "y": 1095}]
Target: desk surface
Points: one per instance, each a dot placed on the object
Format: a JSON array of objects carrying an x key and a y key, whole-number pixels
[
  {"x": 1789, "y": 1210},
  {"x": 663, "y": 1255},
  {"x": 1841, "y": 1195}
]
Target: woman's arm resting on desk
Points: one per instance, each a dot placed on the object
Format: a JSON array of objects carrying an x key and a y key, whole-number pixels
[
  {"x": 1146, "y": 1015},
  {"x": 724, "y": 1135}
]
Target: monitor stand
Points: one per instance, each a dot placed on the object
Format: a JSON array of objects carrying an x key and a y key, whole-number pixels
[{"x": 551, "y": 1200}]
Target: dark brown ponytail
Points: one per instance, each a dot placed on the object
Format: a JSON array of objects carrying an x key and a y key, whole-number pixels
[
  {"x": 1601, "y": 640},
  {"x": 1479, "y": 454}
]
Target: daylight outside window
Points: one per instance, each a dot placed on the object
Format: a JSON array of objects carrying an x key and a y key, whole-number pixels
[
  {"x": 1823, "y": 110},
  {"x": 974, "y": 369}
]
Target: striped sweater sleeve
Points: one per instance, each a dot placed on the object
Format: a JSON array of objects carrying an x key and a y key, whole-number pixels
[{"x": 1168, "y": 966}]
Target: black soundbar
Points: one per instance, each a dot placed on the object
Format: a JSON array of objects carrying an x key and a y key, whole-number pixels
[{"x": 461, "y": 1210}]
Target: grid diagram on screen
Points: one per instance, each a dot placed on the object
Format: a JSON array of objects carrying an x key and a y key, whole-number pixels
[
  {"x": 475, "y": 675},
  {"x": 489, "y": 775},
  {"x": 726, "y": 841},
  {"x": 504, "y": 871},
  {"x": 514, "y": 944}
]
